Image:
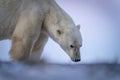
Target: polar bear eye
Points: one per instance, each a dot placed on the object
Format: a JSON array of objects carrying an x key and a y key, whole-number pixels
[
  {"x": 72, "y": 46},
  {"x": 59, "y": 32}
]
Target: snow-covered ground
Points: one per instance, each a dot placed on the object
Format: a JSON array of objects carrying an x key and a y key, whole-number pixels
[{"x": 19, "y": 71}]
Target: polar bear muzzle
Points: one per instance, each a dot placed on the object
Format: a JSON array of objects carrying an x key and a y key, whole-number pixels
[{"x": 76, "y": 54}]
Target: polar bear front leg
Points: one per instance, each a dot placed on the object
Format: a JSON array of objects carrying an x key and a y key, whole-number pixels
[
  {"x": 24, "y": 37},
  {"x": 38, "y": 47}
]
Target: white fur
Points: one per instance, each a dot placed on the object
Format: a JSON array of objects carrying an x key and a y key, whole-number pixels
[{"x": 29, "y": 23}]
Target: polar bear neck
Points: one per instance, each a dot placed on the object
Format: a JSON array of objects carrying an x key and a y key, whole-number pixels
[
  {"x": 57, "y": 18},
  {"x": 60, "y": 16}
]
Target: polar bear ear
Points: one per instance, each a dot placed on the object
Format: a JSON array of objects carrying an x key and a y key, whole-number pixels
[{"x": 78, "y": 26}]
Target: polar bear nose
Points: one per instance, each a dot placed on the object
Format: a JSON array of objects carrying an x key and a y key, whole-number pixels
[{"x": 77, "y": 60}]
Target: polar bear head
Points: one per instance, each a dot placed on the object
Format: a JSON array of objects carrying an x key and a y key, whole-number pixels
[
  {"x": 69, "y": 39},
  {"x": 61, "y": 28}
]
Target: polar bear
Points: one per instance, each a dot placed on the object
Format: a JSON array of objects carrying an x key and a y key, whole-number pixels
[{"x": 29, "y": 23}]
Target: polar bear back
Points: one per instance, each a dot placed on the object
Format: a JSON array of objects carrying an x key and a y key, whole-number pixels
[{"x": 9, "y": 14}]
